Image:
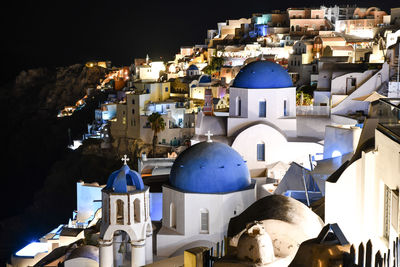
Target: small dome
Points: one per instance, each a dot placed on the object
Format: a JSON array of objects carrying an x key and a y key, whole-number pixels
[
  {"x": 205, "y": 79},
  {"x": 193, "y": 67},
  {"x": 262, "y": 74},
  {"x": 119, "y": 181},
  {"x": 210, "y": 168}
]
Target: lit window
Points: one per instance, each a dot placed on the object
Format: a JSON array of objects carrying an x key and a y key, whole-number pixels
[{"x": 260, "y": 152}]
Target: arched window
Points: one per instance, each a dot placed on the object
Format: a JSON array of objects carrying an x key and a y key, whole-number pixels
[
  {"x": 172, "y": 215},
  {"x": 238, "y": 106},
  {"x": 262, "y": 111},
  {"x": 120, "y": 212},
  {"x": 136, "y": 214},
  {"x": 204, "y": 221},
  {"x": 261, "y": 152}
]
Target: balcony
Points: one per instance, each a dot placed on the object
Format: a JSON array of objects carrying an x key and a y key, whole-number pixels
[{"x": 322, "y": 111}]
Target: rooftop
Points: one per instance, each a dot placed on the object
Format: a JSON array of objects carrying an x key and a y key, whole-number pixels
[{"x": 33, "y": 249}]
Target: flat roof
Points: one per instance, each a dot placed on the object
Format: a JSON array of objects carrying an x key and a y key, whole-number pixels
[{"x": 33, "y": 249}]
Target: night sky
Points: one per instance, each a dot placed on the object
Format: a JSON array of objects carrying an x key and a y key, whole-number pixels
[{"x": 59, "y": 33}]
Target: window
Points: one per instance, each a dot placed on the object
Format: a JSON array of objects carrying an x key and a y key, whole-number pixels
[
  {"x": 172, "y": 215},
  {"x": 238, "y": 110},
  {"x": 166, "y": 89},
  {"x": 204, "y": 221},
  {"x": 133, "y": 101},
  {"x": 120, "y": 212},
  {"x": 137, "y": 215},
  {"x": 260, "y": 152},
  {"x": 133, "y": 111},
  {"x": 262, "y": 112},
  {"x": 386, "y": 219},
  {"x": 285, "y": 111}
]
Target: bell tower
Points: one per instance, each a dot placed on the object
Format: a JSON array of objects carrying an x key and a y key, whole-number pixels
[{"x": 126, "y": 231}]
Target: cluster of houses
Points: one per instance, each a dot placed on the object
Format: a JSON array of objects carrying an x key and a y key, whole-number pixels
[{"x": 256, "y": 171}]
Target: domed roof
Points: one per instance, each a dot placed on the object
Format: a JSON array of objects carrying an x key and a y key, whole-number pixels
[
  {"x": 262, "y": 74},
  {"x": 205, "y": 79},
  {"x": 119, "y": 180},
  {"x": 193, "y": 67},
  {"x": 210, "y": 167}
]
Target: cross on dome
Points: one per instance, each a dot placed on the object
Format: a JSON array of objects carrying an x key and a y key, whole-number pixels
[
  {"x": 125, "y": 159},
  {"x": 209, "y": 134}
]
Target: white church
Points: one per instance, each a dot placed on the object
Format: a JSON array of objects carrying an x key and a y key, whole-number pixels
[
  {"x": 208, "y": 185},
  {"x": 262, "y": 122}
]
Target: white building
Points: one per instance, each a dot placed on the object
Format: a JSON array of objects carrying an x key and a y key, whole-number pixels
[
  {"x": 131, "y": 116},
  {"x": 209, "y": 184},
  {"x": 262, "y": 118},
  {"x": 150, "y": 72},
  {"x": 335, "y": 13},
  {"x": 363, "y": 195},
  {"x": 87, "y": 214}
]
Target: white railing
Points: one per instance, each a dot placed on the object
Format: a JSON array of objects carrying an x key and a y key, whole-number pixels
[{"x": 312, "y": 110}]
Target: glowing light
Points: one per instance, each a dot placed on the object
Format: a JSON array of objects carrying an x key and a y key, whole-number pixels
[
  {"x": 33, "y": 249},
  {"x": 336, "y": 153},
  {"x": 75, "y": 145}
]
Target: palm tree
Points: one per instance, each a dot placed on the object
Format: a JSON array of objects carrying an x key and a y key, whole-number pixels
[{"x": 157, "y": 125}]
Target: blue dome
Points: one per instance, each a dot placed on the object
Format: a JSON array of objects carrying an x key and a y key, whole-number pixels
[
  {"x": 205, "y": 79},
  {"x": 119, "y": 180},
  {"x": 210, "y": 168},
  {"x": 262, "y": 74},
  {"x": 193, "y": 67}
]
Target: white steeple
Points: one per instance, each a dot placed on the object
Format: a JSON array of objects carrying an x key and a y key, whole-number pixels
[{"x": 126, "y": 224}]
